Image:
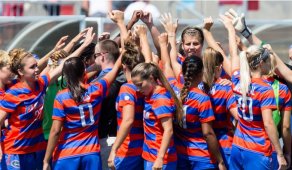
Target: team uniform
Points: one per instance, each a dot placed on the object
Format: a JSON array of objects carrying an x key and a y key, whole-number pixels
[
  {"x": 128, "y": 155},
  {"x": 252, "y": 147},
  {"x": 191, "y": 147},
  {"x": 23, "y": 142},
  {"x": 284, "y": 104},
  {"x": 157, "y": 106},
  {"x": 78, "y": 144},
  {"x": 222, "y": 100}
]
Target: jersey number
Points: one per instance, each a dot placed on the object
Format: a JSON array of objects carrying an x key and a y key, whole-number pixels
[
  {"x": 246, "y": 116},
  {"x": 82, "y": 115}
]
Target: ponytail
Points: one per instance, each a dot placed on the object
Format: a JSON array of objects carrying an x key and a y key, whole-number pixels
[{"x": 244, "y": 76}]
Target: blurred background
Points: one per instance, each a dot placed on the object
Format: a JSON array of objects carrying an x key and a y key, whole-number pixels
[{"x": 36, "y": 25}]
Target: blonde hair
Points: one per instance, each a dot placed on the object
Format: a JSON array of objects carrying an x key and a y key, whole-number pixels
[
  {"x": 249, "y": 62},
  {"x": 56, "y": 56},
  {"x": 211, "y": 59},
  {"x": 4, "y": 59},
  {"x": 17, "y": 55},
  {"x": 145, "y": 70}
]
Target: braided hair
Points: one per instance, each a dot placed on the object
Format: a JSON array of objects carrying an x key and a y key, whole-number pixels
[{"x": 192, "y": 67}]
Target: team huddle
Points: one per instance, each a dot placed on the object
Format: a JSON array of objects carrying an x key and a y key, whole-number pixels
[{"x": 180, "y": 108}]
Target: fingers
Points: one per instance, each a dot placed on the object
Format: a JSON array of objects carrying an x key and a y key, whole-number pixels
[{"x": 232, "y": 13}]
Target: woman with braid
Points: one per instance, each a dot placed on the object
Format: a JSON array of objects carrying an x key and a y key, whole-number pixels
[{"x": 195, "y": 139}]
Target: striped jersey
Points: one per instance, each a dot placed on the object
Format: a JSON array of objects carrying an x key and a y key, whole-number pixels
[
  {"x": 25, "y": 112},
  {"x": 284, "y": 95},
  {"x": 222, "y": 99},
  {"x": 157, "y": 106},
  {"x": 250, "y": 133},
  {"x": 189, "y": 139},
  {"x": 128, "y": 95},
  {"x": 79, "y": 135}
]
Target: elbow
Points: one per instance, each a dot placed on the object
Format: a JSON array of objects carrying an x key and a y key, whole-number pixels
[
  {"x": 207, "y": 135},
  {"x": 286, "y": 129},
  {"x": 55, "y": 132}
]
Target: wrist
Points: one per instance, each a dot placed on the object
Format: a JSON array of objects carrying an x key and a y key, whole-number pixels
[
  {"x": 246, "y": 32},
  {"x": 171, "y": 34},
  {"x": 120, "y": 22},
  {"x": 149, "y": 25},
  {"x": 163, "y": 44}
]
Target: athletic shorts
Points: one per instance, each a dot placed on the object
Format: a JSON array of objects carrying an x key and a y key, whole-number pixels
[
  {"x": 129, "y": 163},
  {"x": 169, "y": 166}
]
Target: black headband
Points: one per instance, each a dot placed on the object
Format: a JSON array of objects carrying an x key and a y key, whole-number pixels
[{"x": 264, "y": 56}]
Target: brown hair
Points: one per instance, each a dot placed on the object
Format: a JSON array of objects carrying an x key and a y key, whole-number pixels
[
  {"x": 17, "y": 55},
  {"x": 193, "y": 31},
  {"x": 60, "y": 54},
  {"x": 132, "y": 55},
  {"x": 211, "y": 59},
  {"x": 145, "y": 70}
]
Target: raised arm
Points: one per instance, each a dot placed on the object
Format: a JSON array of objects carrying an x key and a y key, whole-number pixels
[
  {"x": 235, "y": 63},
  {"x": 54, "y": 74},
  {"x": 170, "y": 27},
  {"x": 137, "y": 14},
  {"x": 167, "y": 69},
  {"x": 208, "y": 23},
  {"x": 241, "y": 27},
  {"x": 148, "y": 20},
  {"x": 280, "y": 67},
  {"x": 141, "y": 32},
  {"x": 118, "y": 17},
  {"x": 75, "y": 40},
  {"x": 42, "y": 63}
]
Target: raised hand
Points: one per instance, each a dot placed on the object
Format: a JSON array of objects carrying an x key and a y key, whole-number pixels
[
  {"x": 239, "y": 22},
  {"x": 60, "y": 44},
  {"x": 208, "y": 23},
  {"x": 79, "y": 36},
  {"x": 168, "y": 24},
  {"x": 147, "y": 18},
  {"x": 116, "y": 16},
  {"x": 227, "y": 21},
  {"x": 104, "y": 36},
  {"x": 162, "y": 38},
  {"x": 89, "y": 36},
  {"x": 137, "y": 14},
  {"x": 140, "y": 30}
]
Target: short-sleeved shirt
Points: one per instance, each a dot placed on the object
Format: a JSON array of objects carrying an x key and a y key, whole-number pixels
[
  {"x": 250, "y": 133},
  {"x": 25, "y": 111},
  {"x": 79, "y": 135},
  {"x": 157, "y": 106},
  {"x": 132, "y": 145},
  {"x": 222, "y": 99}
]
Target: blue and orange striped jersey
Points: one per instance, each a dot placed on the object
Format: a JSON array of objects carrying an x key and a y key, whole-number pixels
[
  {"x": 25, "y": 112},
  {"x": 224, "y": 75},
  {"x": 157, "y": 106},
  {"x": 180, "y": 59},
  {"x": 132, "y": 145},
  {"x": 79, "y": 135},
  {"x": 222, "y": 99},
  {"x": 250, "y": 133},
  {"x": 189, "y": 139},
  {"x": 284, "y": 95}
]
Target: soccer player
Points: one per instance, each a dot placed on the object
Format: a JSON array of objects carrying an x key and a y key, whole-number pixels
[
  {"x": 158, "y": 149},
  {"x": 74, "y": 133},
  {"x": 23, "y": 144},
  {"x": 255, "y": 98}
]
